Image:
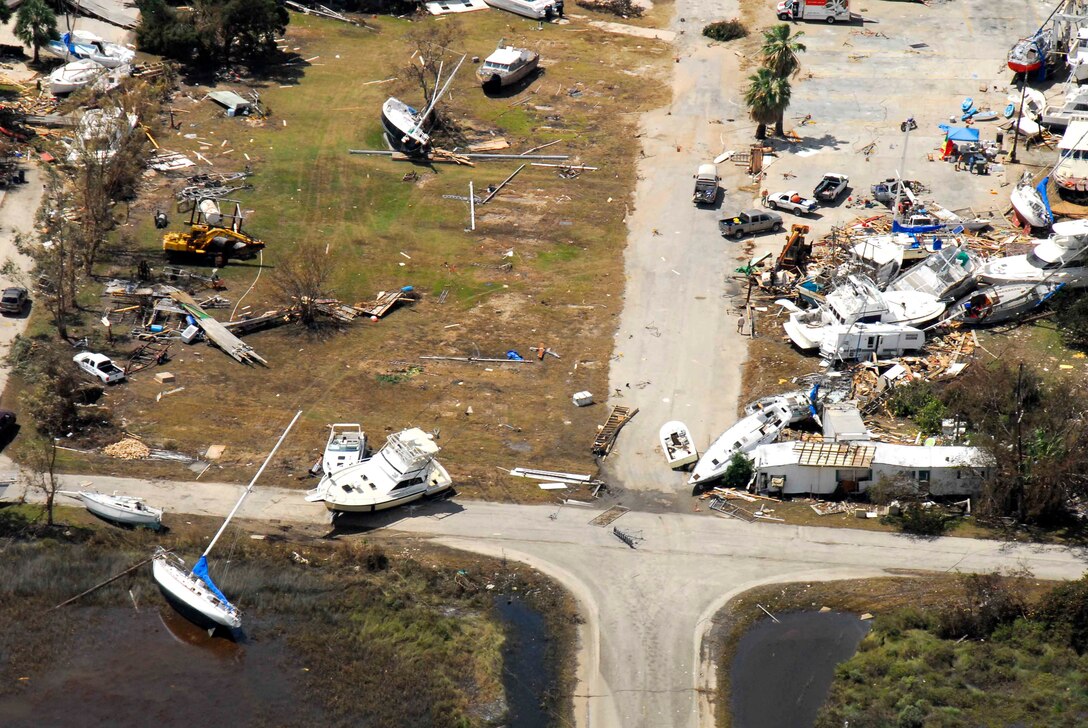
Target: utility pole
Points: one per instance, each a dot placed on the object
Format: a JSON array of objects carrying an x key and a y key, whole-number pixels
[
  {"x": 905, "y": 127},
  {"x": 1020, "y": 442},
  {"x": 1016, "y": 126}
]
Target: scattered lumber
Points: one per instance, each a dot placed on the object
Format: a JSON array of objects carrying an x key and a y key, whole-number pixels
[{"x": 610, "y": 430}]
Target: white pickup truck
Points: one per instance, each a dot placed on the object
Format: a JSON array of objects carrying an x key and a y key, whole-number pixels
[{"x": 100, "y": 366}]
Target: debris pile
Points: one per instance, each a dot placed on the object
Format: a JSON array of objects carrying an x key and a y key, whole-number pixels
[{"x": 127, "y": 449}]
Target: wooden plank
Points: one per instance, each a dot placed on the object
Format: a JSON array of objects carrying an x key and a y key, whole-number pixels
[{"x": 216, "y": 332}]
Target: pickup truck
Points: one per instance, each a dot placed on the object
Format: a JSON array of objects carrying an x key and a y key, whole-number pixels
[
  {"x": 749, "y": 221},
  {"x": 791, "y": 201},
  {"x": 706, "y": 185},
  {"x": 831, "y": 186},
  {"x": 99, "y": 366}
]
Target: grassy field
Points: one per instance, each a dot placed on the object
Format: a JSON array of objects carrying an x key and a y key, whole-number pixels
[
  {"x": 544, "y": 266},
  {"x": 395, "y": 632}
]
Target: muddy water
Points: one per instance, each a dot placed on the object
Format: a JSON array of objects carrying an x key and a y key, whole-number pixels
[
  {"x": 781, "y": 672},
  {"x": 527, "y": 676},
  {"x": 154, "y": 668}
]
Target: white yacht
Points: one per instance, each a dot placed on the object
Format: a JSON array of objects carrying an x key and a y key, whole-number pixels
[
  {"x": 346, "y": 447},
  {"x": 404, "y": 470},
  {"x": 801, "y": 404},
  {"x": 946, "y": 275},
  {"x": 1078, "y": 56},
  {"x": 1075, "y": 103},
  {"x": 1071, "y": 171},
  {"x": 887, "y": 255},
  {"x": 1061, "y": 258},
  {"x": 747, "y": 434},
  {"x": 858, "y": 302}
]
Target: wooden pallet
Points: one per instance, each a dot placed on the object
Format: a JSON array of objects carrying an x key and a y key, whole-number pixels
[
  {"x": 606, "y": 435},
  {"x": 608, "y": 516}
]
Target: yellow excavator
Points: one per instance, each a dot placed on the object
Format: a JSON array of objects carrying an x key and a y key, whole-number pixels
[{"x": 213, "y": 233}]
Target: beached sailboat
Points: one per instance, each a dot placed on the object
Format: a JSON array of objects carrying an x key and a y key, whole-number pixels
[
  {"x": 78, "y": 45},
  {"x": 406, "y": 128},
  {"x": 346, "y": 446},
  {"x": 677, "y": 445},
  {"x": 747, "y": 434},
  {"x": 1029, "y": 54},
  {"x": 404, "y": 470},
  {"x": 1005, "y": 302},
  {"x": 1030, "y": 205},
  {"x": 73, "y": 76},
  {"x": 192, "y": 591},
  {"x": 124, "y": 509}
]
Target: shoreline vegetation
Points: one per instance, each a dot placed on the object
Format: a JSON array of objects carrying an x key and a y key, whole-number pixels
[{"x": 395, "y": 629}]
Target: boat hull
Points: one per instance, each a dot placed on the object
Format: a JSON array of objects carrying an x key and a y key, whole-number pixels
[
  {"x": 677, "y": 445},
  {"x": 149, "y": 518},
  {"x": 396, "y": 131},
  {"x": 747, "y": 434},
  {"x": 186, "y": 594},
  {"x": 1029, "y": 206},
  {"x": 491, "y": 81}
]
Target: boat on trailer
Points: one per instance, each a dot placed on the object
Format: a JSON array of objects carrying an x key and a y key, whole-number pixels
[
  {"x": 124, "y": 509},
  {"x": 404, "y": 470},
  {"x": 192, "y": 591},
  {"x": 677, "y": 444},
  {"x": 346, "y": 446}
]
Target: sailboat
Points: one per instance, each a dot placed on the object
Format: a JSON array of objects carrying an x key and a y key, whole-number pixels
[
  {"x": 192, "y": 591},
  {"x": 405, "y": 127}
]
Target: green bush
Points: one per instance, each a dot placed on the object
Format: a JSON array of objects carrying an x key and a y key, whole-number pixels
[
  {"x": 918, "y": 520},
  {"x": 919, "y": 402},
  {"x": 1071, "y": 315},
  {"x": 725, "y": 30},
  {"x": 739, "y": 473}
]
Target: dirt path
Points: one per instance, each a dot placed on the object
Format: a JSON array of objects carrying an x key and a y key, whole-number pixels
[
  {"x": 678, "y": 354},
  {"x": 18, "y": 209}
]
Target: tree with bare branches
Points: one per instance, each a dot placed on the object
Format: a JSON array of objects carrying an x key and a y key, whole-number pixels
[
  {"x": 434, "y": 53},
  {"x": 56, "y": 254},
  {"x": 40, "y": 471},
  {"x": 303, "y": 277}
]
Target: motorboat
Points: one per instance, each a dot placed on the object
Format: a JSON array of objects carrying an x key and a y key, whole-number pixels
[
  {"x": 1071, "y": 171},
  {"x": 1030, "y": 204},
  {"x": 677, "y": 445},
  {"x": 1030, "y": 54},
  {"x": 1061, "y": 258},
  {"x": 123, "y": 509},
  {"x": 74, "y": 76},
  {"x": 1074, "y": 103},
  {"x": 1004, "y": 302},
  {"x": 99, "y": 50},
  {"x": 884, "y": 256},
  {"x": 800, "y": 404},
  {"x": 192, "y": 591},
  {"x": 534, "y": 9},
  {"x": 346, "y": 447},
  {"x": 405, "y": 127},
  {"x": 1077, "y": 57},
  {"x": 857, "y": 301},
  {"x": 506, "y": 66},
  {"x": 402, "y": 471},
  {"x": 946, "y": 275},
  {"x": 747, "y": 434}
]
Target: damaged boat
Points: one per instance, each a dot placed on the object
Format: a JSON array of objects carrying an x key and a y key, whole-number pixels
[
  {"x": 1030, "y": 203},
  {"x": 1004, "y": 302},
  {"x": 534, "y": 9},
  {"x": 124, "y": 509},
  {"x": 801, "y": 404},
  {"x": 405, "y": 127},
  {"x": 74, "y": 76},
  {"x": 78, "y": 45},
  {"x": 506, "y": 66},
  {"x": 1071, "y": 171},
  {"x": 749, "y": 433},
  {"x": 346, "y": 447},
  {"x": 1061, "y": 258},
  {"x": 1030, "y": 54},
  {"x": 946, "y": 275},
  {"x": 677, "y": 444},
  {"x": 404, "y": 470}
]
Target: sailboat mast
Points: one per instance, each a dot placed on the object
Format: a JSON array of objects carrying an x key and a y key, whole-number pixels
[
  {"x": 437, "y": 96},
  {"x": 253, "y": 482}
]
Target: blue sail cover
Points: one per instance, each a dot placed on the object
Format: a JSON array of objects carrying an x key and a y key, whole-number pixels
[
  {"x": 1041, "y": 189},
  {"x": 914, "y": 229},
  {"x": 200, "y": 570}
]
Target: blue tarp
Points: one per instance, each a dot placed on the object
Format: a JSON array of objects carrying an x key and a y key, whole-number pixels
[
  {"x": 914, "y": 230},
  {"x": 200, "y": 571},
  {"x": 1041, "y": 189},
  {"x": 959, "y": 133}
]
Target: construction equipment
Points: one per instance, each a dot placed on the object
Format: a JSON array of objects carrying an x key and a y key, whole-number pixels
[
  {"x": 212, "y": 233},
  {"x": 796, "y": 251}
]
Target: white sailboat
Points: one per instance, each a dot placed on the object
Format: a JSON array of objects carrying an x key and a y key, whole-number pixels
[
  {"x": 74, "y": 75},
  {"x": 123, "y": 509},
  {"x": 192, "y": 592},
  {"x": 749, "y": 433},
  {"x": 405, "y": 127}
]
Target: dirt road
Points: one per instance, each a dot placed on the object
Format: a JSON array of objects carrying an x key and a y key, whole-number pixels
[{"x": 18, "y": 209}]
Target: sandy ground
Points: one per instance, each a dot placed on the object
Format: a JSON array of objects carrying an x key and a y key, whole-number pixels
[
  {"x": 647, "y": 609},
  {"x": 18, "y": 209},
  {"x": 110, "y": 32}
]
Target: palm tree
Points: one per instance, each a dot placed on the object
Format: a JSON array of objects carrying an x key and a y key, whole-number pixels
[
  {"x": 35, "y": 24},
  {"x": 780, "y": 49},
  {"x": 767, "y": 98}
]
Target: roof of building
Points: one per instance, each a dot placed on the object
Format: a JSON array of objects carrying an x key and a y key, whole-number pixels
[
  {"x": 938, "y": 456},
  {"x": 775, "y": 455},
  {"x": 835, "y": 454}
]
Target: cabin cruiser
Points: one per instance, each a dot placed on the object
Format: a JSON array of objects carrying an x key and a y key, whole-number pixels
[
  {"x": 1071, "y": 171},
  {"x": 857, "y": 301},
  {"x": 404, "y": 470},
  {"x": 749, "y": 433},
  {"x": 346, "y": 446},
  {"x": 800, "y": 404},
  {"x": 1074, "y": 103},
  {"x": 886, "y": 255},
  {"x": 1078, "y": 56},
  {"x": 677, "y": 444},
  {"x": 1061, "y": 258},
  {"x": 506, "y": 66},
  {"x": 946, "y": 275}
]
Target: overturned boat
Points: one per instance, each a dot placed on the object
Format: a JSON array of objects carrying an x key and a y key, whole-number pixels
[
  {"x": 1004, "y": 302},
  {"x": 1061, "y": 258},
  {"x": 1030, "y": 203},
  {"x": 404, "y": 470},
  {"x": 506, "y": 66},
  {"x": 800, "y": 404},
  {"x": 747, "y": 434},
  {"x": 677, "y": 444},
  {"x": 123, "y": 509}
]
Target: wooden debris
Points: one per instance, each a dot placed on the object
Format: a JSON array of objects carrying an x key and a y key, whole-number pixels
[
  {"x": 127, "y": 449},
  {"x": 610, "y": 430},
  {"x": 491, "y": 145}
]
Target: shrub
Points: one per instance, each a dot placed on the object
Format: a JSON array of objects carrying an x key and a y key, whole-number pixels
[
  {"x": 1064, "y": 611},
  {"x": 725, "y": 30},
  {"x": 988, "y": 602},
  {"x": 739, "y": 473},
  {"x": 921, "y": 521},
  {"x": 919, "y": 402},
  {"x": 622, "y": 8},
  {"x": 1071, "y": 315}
]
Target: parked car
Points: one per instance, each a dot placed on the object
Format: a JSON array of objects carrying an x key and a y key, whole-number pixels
[
  {"x": 7, "y": 424},
  {"x": 706, "y": 185},
  {"x": 100, "y": 366},
  {"x": 830, "y": 187},
  {"x": 749, "y": 221},
  {"x": 791, "y": 201},
  {"x": 13, "y": 300}
]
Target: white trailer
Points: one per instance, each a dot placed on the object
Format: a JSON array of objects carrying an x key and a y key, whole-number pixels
[{"x": 828, "y": 11}]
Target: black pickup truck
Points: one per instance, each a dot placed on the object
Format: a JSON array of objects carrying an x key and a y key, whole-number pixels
[{"x": 830, "y": 187}]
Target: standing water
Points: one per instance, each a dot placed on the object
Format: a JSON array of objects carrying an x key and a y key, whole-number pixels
[
  {"x": 781, "y": 673},
  {"x": 527, "y": 675}
]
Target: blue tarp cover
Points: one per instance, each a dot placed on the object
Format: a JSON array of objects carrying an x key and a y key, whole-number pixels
[
  {"x": 1041, "y": 189},
  {"x": 200, "y": 570},
  {"x": 898, "y": 228},
  {"x": 959, "y": 133}
]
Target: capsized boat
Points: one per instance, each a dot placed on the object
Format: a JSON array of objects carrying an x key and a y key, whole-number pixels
[
  {"x": 747, "y": 434},
  {"x": 677, "y": 445},
  {"x": 1030, "y": 205},
  {"x": 404, "y": 470},
  {"x": 192, "y": 591},
  {"x": 346, "y": 446},
  {"x": 1061, "y": 258},
  {"x": 73, "y": 76},
  {"x": 946, "y": 275},
  {"x": 123, "y": 509},
  {"x": 535, "y": 9},
  {"x": 1029, "y": 54},
  {"x": 1004, "y": 302},
  {"x": 406, "y": 128},
  {"x": 506, "y": 66}
]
